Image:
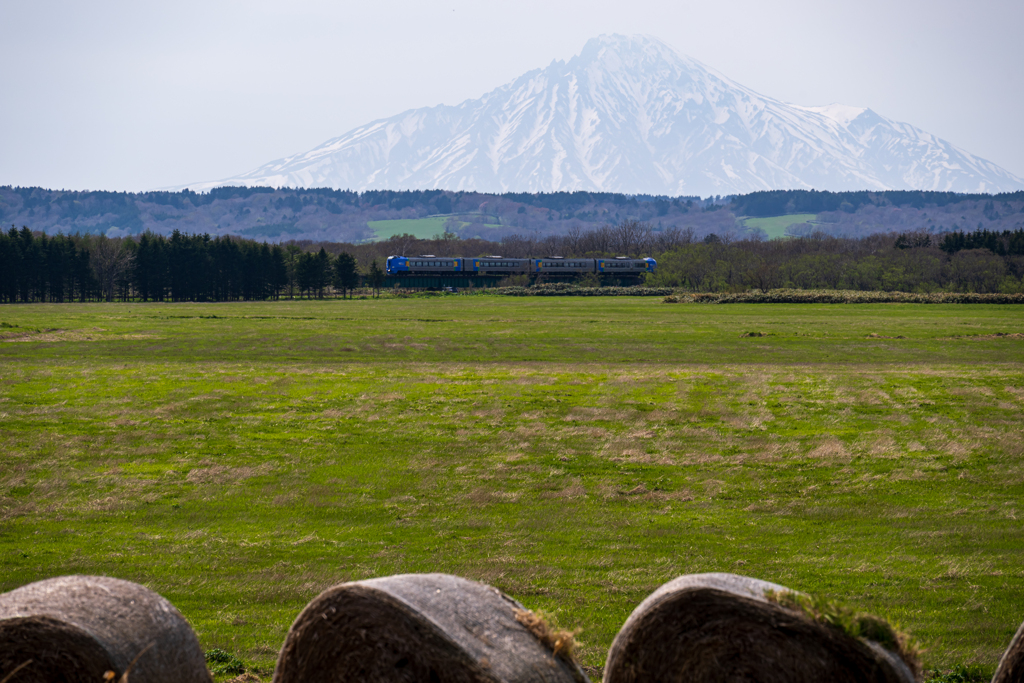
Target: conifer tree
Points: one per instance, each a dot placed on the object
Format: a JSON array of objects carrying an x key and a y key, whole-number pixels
[
  {"x": 346, "y": 277},
  {"x": 375, "y": 278}
]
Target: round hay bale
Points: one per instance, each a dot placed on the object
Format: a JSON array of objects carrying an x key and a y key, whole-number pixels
[
  {"x": 417, "y": 627},
  {"x": 54, "y": 650},
  {"x": 72, "y": 627},
  {"x": 1011, "y": 664},
  {"x": 722, "y": 627}
]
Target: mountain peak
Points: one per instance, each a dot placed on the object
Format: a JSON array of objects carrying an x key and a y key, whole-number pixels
[
  {"x": 622, "y": 43},
  {"x": 635, "y": 52},
  {"x": 629, "y": 114}
]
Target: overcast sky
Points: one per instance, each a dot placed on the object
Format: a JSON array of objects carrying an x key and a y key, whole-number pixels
[{"x": 138, "y": 95}]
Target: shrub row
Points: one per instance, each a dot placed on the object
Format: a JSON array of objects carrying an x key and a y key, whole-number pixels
[
  {"x": 565, "y": 289},
  {"x": 822, "y": 296}
]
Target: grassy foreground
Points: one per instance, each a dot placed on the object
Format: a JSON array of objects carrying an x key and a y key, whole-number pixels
[{"x": 576, "y": 453}]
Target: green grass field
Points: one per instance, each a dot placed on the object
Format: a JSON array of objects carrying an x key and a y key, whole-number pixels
[
  {"x": 574, "y": 452},
  {"x": 777, "y": 227},
  {"x": 422, "y": 228}
]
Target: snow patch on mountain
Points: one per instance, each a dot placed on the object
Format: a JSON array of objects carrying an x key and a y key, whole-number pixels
[{"x": 628, "y": 114}]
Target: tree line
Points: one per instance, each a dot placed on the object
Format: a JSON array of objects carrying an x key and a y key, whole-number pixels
[
  {"x": 909, "y": 262},
  {"x": 35, "y": 267},
  {"x": 781, "y": 202}
]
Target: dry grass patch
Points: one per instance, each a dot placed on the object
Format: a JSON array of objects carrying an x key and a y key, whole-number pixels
[
  {"x": 832, "y": 451},
  {"x": 223, "y": 474}
]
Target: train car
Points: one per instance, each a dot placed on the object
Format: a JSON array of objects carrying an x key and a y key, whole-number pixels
[
  {"x": 557, "y": 265},
  {"x": 427, "y": 264},
  {"x": 490, "y": 268},
  {"x": 626, "y": 267},
  {"x": 496, "y": 265}
]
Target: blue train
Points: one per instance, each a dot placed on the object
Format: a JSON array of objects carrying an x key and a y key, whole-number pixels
[{"x": 553, "y": 266}]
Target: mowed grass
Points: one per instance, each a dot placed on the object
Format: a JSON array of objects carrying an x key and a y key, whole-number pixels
[
  {"x": 574, "y": 452},
  {"x": 777, "y": 227}
]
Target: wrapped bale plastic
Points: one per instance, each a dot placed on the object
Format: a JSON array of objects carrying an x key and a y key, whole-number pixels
[
  {"x": 418, "y": 627},
  {"x": 1011, "y": 665},
  {"x": 724, "y": 627},
  {"x": 76, "y": 628}
]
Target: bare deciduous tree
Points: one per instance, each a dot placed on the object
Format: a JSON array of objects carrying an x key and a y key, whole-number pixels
[
  {"x": 572, "y": 240},
  {"x": 517, "y": 246},
  {"x": 110, "y": 260},
  {"x": 631, "y": 236}
]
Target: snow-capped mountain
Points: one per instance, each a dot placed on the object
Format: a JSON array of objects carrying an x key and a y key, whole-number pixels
[{"x": 628, "y": 114}]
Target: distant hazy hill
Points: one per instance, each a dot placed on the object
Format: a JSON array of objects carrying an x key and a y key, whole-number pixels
[
  {"x": 630, "y": 115},
  {"x": 340, "y": 216}
]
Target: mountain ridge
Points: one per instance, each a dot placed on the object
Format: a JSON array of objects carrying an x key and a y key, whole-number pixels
[{"x": 629, "y": 114}]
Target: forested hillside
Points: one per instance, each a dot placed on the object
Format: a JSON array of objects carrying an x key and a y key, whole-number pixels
[{"x": 279, "y": 215}]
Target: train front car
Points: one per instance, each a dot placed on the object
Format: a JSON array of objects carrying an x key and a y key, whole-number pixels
[
  {"x": 428, "y": 264},
  {"x": 396, "y": 265},
  {"x": 624, "y": 270}
]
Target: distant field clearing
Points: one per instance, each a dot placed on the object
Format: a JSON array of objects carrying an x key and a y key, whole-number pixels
[
  {"x": 423, "y": 228},
  {"x": 777, "y": 227}
]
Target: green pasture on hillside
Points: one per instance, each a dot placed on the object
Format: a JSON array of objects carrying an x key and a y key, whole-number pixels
[
  {"x": 777, "y": 227},
  {"x": 422, "y": 228},
  {"x": 575, "y": 452}
]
